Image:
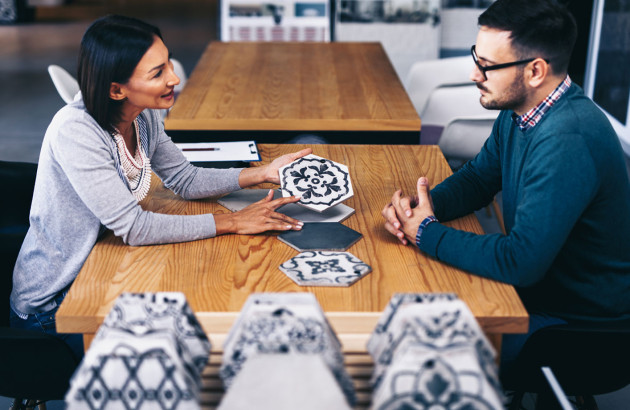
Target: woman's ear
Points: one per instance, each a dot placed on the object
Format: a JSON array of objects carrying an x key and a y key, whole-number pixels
[{"x": 116, "y": 92}]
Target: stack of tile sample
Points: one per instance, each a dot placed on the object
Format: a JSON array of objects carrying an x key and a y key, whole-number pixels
[
  {"x": 149, "y": 353},
  {"x": 273, "y": 333},
  {"x": 428, "y": 351}
]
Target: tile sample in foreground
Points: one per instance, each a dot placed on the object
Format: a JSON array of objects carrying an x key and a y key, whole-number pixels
[
  {"x": 291, "y": 381},
  {"x": 320, "y": 182},
  {"x": 322, "y": 268},
  {"x": 321, "y": 236}
]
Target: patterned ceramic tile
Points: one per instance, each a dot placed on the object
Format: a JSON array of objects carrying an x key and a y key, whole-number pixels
[
  {"x": 320, "y": 182},
  {"x": 149, "y": 353},
  {"x": 421, "y": 380},
  {"x": 141, "y": 314},
  {"x": 277, "y": 327},
  {"x": 320, "y": 268},
  {"x": 238, "y": 200},
  {"x": 437, "y": 326}
]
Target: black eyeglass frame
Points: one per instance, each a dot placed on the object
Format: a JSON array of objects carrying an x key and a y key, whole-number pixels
[{"x": 483, "y": 69}]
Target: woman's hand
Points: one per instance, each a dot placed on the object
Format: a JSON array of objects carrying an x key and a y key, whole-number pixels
[
  {"x": 272, "y": 171},
  {"x": 258, "y": 217},
  {"x": 269, "y": 172}
]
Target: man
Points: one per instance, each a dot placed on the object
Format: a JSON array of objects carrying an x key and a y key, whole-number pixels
[{"x": 555, "y": 156}]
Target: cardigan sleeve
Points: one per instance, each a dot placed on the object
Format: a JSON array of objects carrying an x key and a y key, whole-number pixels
[
  {"x": 82, "y": 151},
  {"x": 179, "y": 175}
]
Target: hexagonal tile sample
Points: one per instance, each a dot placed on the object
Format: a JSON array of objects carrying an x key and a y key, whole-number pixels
[
  {"x": 320, "y": 182},
  {"x": 238, "y": 200},
  {"x": 321, "y": 236},
  {"x": 320, "y": 268}
]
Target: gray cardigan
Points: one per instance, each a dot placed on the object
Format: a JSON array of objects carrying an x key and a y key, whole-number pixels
[{"x": 79, "y": 192}]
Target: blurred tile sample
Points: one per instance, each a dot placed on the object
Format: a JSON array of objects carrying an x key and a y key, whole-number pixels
[{"x": 284, "y": 382}]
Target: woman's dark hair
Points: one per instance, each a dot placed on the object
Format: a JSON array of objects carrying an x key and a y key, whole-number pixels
[
  {"x": 539, "y": 28},
  {"x": 110, "y": 51}
]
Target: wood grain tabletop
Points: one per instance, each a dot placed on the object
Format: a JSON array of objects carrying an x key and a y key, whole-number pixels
[
  {"x": 294, "y": 86},
  {"x": 218, "y": 274}
]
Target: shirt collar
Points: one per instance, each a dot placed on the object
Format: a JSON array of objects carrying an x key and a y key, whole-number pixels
[{"x": 532, "y": 117}]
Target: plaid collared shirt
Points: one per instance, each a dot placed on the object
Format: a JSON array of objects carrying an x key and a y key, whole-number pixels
[{"x": 533, "y": 116}]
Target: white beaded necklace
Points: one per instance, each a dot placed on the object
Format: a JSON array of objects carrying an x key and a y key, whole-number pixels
[{"x": 137, "y": 169}]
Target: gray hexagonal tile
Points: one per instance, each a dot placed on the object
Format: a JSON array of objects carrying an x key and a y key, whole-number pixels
[
  {"x": 320, "y": 268},
  {"x": 321, "y": 236}
]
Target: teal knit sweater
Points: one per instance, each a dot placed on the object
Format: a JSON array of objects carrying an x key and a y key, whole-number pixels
[{"x": 566, "y": 205}]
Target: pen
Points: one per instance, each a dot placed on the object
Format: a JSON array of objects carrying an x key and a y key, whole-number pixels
[{"x": 201, "y": 149}]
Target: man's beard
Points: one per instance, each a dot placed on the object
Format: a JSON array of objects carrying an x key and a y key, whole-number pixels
[{"x": 514, "y": 97}]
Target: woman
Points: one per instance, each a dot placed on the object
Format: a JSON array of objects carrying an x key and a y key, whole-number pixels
[{"x": 95, "y": 166}]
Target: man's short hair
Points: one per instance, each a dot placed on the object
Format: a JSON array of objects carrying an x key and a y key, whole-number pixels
[{"x": 539, "y": 28}]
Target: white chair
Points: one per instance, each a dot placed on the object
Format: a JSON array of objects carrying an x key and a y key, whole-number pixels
[
  {"x": 448, "y": 102},
  {"x": 66, "y": 85},
  {"x": 426, "y": 76}
]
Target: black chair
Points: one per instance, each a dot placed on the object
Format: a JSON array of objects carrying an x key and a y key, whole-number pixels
[
  {"x": 587, "y": 358},
  {"x": 34, "y": 365}
]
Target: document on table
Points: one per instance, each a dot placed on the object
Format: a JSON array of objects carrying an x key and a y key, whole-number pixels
[{"x": 220, "y": 151}]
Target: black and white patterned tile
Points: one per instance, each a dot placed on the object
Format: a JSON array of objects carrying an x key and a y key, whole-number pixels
[
  {"x": 272, "y": 324},
  {"x": 320, "y": 268},
  {"x": 320, "y": 182},
  {"x": 8, "y": 11},
  {"x": 437, "y": 323},
  {"x": 421, "y": 380},
  {"x": 149, "y": 353}
]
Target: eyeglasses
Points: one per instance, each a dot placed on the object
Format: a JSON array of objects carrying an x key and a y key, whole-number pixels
[{"x": 483, "y": 69}]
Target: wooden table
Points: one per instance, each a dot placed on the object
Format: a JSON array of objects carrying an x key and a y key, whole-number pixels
[
  {"x": 218, "y": 274},
  {"x": 270, "y": 92}
]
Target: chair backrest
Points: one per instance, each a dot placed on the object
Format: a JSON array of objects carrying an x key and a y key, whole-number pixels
[
  {"x": 67, "y": 86},
  {"x": 426, "y": 76},
  {"x": 447, "y": 102},
  {"x": 181, "y": 73},
  {"x": 586, "y": 358},
  {"x": 19, "y": 179},
  {"x": 463, "y": 137}
]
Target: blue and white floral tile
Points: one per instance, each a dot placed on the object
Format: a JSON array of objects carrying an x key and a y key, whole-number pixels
[
  {"x": 291, "y": 381},
  {"x": 122, "y": 371},
  {"x": 144, "y": 314},
  {"x": 321, "y": 268},
  {"x": 421, "y": 379},
  {"x": 397, "y": 300},
  {"x": 304, "y": 302},
  {"x": 320, "y": 182},
  {"x": 437, "y": 326},
  {"x": 272, "y": 329}
]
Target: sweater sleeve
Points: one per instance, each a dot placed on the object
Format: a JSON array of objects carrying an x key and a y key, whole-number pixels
[
  {"x": 473, "y": 186},
  {"x": 558, "y": 181},
  {"x": 85, "y": 158},
  {"x": 179, "y": 175}
]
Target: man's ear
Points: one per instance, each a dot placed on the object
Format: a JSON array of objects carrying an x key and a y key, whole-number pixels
[
  {"x": 538, "y": 71},
  {"x": 116, "y": 92}
]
